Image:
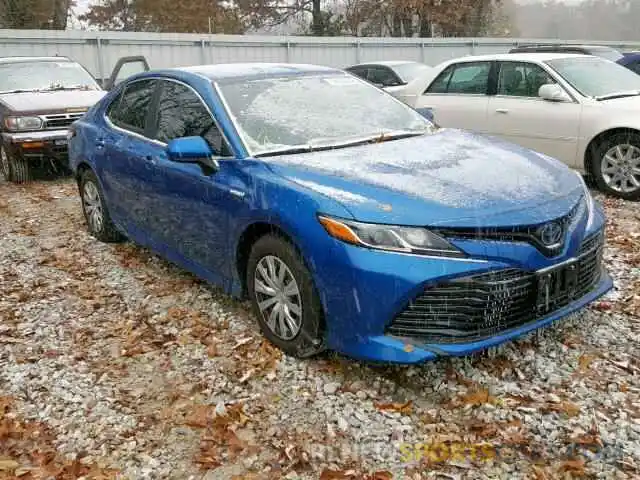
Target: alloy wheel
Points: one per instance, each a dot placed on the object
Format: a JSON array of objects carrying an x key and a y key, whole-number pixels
[
  {"x": 92, "y": 206},
  {"x": 620, "y": 168},
  {"x": 278, "y": 297}
]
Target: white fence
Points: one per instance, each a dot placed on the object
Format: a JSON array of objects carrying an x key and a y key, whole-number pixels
[{"x": 99, "y": 51}]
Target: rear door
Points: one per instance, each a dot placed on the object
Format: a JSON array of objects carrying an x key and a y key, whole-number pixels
[
  {"x": 519, "y": 115},
  {"x": 458, "y": 96},
  {"x": 126, "y": 168}
]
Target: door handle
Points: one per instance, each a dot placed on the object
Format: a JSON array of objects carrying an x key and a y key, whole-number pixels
[
  {"x": 502, "y": 110},
  {"x": 151, "y": 160},
  {"x": 100, "y": 142}
]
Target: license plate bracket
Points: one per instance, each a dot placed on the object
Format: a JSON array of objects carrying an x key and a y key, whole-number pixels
[{"x": 556, "y": 284}]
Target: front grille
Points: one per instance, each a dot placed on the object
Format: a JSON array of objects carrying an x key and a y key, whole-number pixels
[
  {"x": 59, "y": 121},
  {"x": 526, "y": 233},
  {"x": 472, "y": 308}
]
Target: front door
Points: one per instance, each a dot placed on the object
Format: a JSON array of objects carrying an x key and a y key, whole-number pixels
[
  {"x": 194, "y": 203},
  {"x": 517, "y": 114}
]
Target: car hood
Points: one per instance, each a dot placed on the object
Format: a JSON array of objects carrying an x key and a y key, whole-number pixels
[
  {"x": 449, "y": 178},
  {"x": 51, "y": 102}
]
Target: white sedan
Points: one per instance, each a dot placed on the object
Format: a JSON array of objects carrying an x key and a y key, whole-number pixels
[{"x": 580, "y": 109}]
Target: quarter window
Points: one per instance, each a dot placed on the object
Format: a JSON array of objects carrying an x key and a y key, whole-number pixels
[
  {"x": 463, "y": 78},
  {"x": 129, "y": 110},
  {"x": 182, "y": 114},
  {"x": 635, "y": 67},
  {"x": 521, "y": 79}
]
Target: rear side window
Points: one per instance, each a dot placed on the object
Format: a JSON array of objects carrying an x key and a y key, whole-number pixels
[
  {"x": 130, "y": 109},
  {"x": 358, "y": 71},
  {"x": 181, "y": 113},
  {"x": 463, "y": 78},
  {"x": 383, "y": 76}
]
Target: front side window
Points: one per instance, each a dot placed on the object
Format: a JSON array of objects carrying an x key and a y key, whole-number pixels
[
  {"x": 45, "y": 75},
  {"x": 520, "y": 79},
  {"x": 181, "y": 113},
  {"x": 129, "y": 110},
  {"x": 327, "y": 110},
  {"x": 471, "y": 78},
  {"x": 635, "y": 67},
  {"x": 596, "y": 77}
]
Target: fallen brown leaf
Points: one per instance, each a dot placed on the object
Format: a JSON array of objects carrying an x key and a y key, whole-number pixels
[
  {"x": 403, "y": 408},
  {"x": 328, "y": 474},
  {"x": 574, "y": 467}
]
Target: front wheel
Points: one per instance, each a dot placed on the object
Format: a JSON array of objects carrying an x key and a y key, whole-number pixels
[
  {"x": 616, "y": 165},
  {"x": 284, "y": 298},
  {"x": 14, "y": 169}
]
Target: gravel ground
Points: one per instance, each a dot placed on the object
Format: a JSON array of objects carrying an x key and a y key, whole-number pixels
[{"x": 114, "y": 363}]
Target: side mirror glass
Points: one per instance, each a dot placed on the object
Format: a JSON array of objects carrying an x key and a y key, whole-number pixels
[
  {"x": 191, "y": 150},
  {"x": 553, "y": 92}
]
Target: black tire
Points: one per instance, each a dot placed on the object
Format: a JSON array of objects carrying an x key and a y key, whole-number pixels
[
  {"x": 105, "y": 230},
  {"x": 309, "y": 340},
  {"x": 15, "y": 169},
  {"x": 598, "y": 155}
]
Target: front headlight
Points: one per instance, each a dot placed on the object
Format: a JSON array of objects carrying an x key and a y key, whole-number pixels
[
  {"x": 590, "y": 202},
  {"x": 23, "y": 123},
  {"x": 393, "y": 238}
]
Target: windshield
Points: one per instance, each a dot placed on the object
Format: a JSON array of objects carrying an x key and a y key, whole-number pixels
[
  {"x": 46, "y": 75},
  {"x": 608, "y": 53},
  {"x": 595, "y": 77},
  {"x": 409, "y": 71},
  {"x": 319, "y": 111}
]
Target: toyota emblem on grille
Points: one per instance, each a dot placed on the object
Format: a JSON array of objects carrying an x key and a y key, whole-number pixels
[{"x": 550, "y": 234}]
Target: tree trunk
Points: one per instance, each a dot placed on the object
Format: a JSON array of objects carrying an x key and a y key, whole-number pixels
[{"x": 317, "y": 23}]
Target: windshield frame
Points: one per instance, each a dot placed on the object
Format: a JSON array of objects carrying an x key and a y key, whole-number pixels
[
  {"x": 549, "y": 64},
  {"x": 252, "y": 153},
  {"x": 81, "y": 67}
]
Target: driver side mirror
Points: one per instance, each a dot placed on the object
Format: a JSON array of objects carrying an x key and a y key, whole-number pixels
[
  {"x": 191, "y": 150},
  {"x": 552, "y": 92}
]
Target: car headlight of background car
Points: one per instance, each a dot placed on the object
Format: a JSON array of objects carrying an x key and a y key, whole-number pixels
[
  {"x": 393, "y": 238},
  {"x": 17, "y": 124}
]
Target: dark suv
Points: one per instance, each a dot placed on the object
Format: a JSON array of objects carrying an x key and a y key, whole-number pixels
[{"x": 40, "y": 97}]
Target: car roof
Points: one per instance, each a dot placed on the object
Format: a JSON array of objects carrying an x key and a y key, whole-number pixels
[
  {"x": 223, "y": 71},
  {"x": 533, "y": 56},
  {"x": 566, "y": 46},
  {"x": 5, "y": 60},
  {"x": 387, "y": 63}
]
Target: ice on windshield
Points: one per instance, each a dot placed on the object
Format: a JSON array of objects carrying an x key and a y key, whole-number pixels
[
  {"x": 280, "y": 113},
  {"x": 44, "y": 75},
  {"x": 595, "y": 77}
]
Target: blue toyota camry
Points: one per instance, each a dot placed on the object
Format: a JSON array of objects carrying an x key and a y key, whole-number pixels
[{"x": 348, "y": 219}]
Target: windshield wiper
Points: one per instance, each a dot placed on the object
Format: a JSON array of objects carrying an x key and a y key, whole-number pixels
[
  {"x": 611, "y": 96},
  {"x": 62, "y": 87},
  {"x": 20, "y": 90},
  {"x": 318, "y": 145}
]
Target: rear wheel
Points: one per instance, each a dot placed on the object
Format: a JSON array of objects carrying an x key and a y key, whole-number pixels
[
  {"x": 616, "y": 165},
  {"x": 95, "y": 209},
  {"x": 284, "y": 298},
  {"x": 15, "y": 169}
]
